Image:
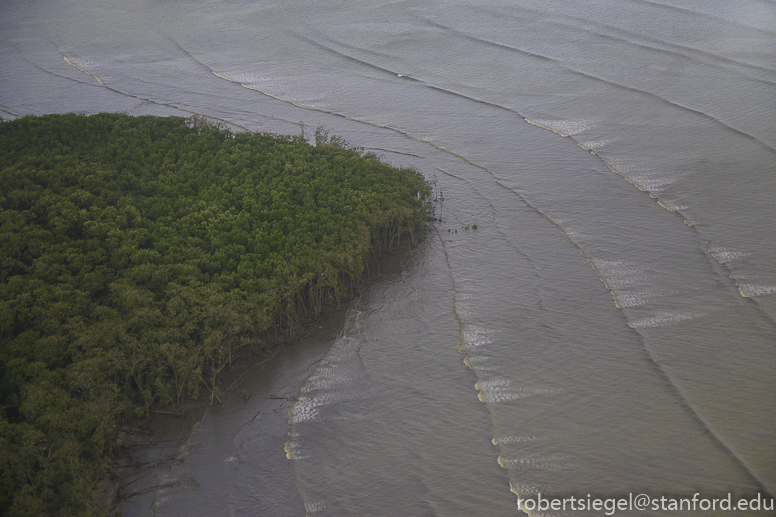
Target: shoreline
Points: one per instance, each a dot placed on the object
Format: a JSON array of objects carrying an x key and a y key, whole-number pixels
[{"x": 151, "y": 447}]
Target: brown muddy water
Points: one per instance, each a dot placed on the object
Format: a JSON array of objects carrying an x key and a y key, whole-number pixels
[{"x": 607, "y": 329}]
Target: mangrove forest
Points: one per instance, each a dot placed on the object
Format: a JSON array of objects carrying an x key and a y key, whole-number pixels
[{"x": 138, "y": 254}]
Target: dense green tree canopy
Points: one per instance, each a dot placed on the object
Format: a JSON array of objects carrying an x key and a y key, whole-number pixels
[{"x": 137, "y": 254}]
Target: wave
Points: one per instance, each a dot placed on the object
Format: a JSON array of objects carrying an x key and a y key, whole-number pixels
[
  {"x": 47, "y": 71},
  {"x": 726, "y": 255},
  {"x": 84, "y": 66},
  {"x": 564, "y": 127},
  {"x": 750, "y": 290},
  {"x": 5, "y": 109},
  {"x": 504, "y": 440},
  {"x": 663, "y": 318},
  {"x": 537, "y": 461},
  {"x": 676, "y": 8},
  {"x": 501, "y": 390},
  {"x": 683, "y": 51},
  {"x": 648, "y": 183},
  {"x": 609, "y": 82},
  {"x": 629, "y": 37},
  {"x": 392, "y": 151},
  {"x": 467, "y": 340},
  {"x": 353, "y": 59},
  {"x": 487, "y": 42},
  {"x": 680, "y": 106},
  {"x": 643, "y": 183}
]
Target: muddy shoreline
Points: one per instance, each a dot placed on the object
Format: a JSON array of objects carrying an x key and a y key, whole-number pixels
[{"x": 150, "y": 448}]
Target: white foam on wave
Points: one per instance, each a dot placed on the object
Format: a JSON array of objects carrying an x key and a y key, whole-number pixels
[
  {"x": 642, "y": 175},
  {"x": 243, "y": 77},
  {"x": 323, "y": 387},
  {"x": 479, "y": 363},
  {"x": 501, "y": 390},
  {"x": 752, "y": 290},
  {"x": 571, "y": 231},
  {"x": 564, "y": 127},
  {"x": 294, "y": 450},
  {"x": 524, "y": 489},
  {"x": 634, "y": 298},
  {"x": 754, "y": 285},
  {"x": 325, "y": 378},
  {"x": 554, "y": 461},
  {"x": 624, "y": 280},
  {"x": 467, "y": 302},
  {"x": 652, "y": 182},
  {"x": 281, "y": 88},
  {"x": 86, "y": 66},
  {"x": 315, "y": 506},
  {"x": 307, "y": 407},
  {"x": 464, "y": 295},
  {"x": 725, "y": 255},
  {"x": 664, "y": 318},
  {"x": 671, "y": 205},
  {"x": 505, "y": 440},
  {"x": 594, "y": 145},
  {"x": 619, "y": 274},
  {"x": 474, "y": 337}
]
